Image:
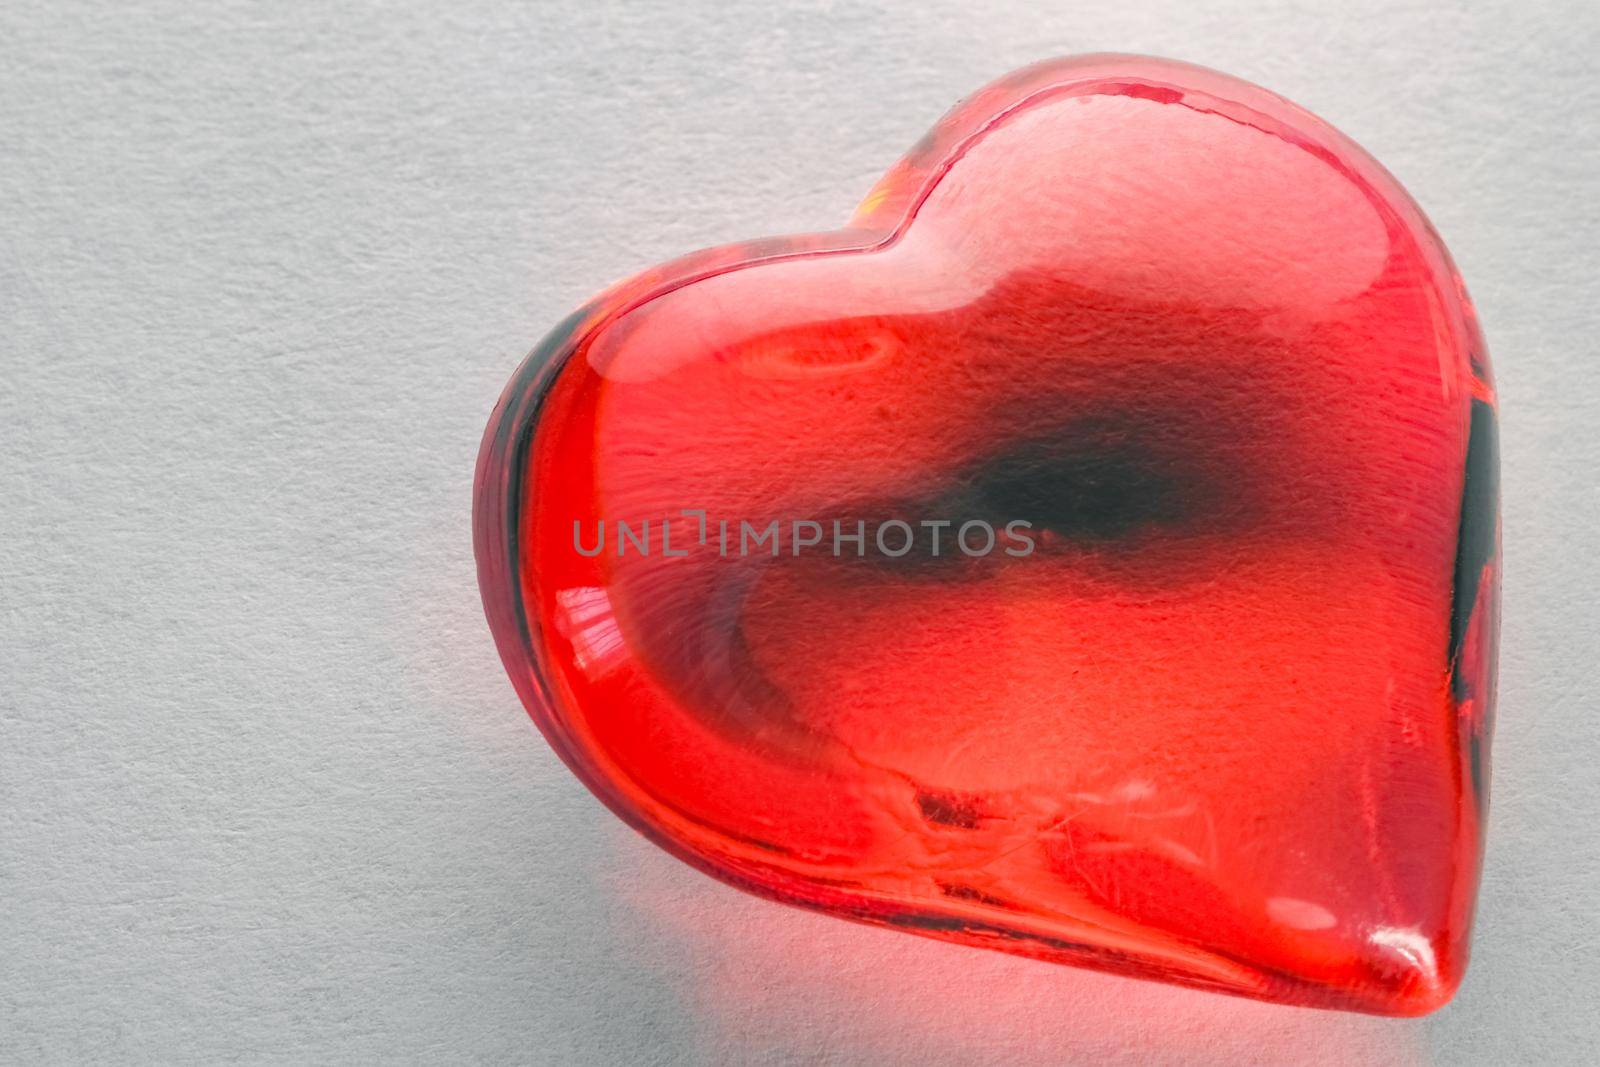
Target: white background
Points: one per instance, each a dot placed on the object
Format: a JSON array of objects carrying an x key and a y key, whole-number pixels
[{"x": 265, "y": 792}]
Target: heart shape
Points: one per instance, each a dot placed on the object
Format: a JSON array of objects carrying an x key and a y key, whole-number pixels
[{"x": 1090, "y": 552}]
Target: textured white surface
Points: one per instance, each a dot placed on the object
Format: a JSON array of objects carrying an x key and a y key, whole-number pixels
[{"x": 265, "y": 793}]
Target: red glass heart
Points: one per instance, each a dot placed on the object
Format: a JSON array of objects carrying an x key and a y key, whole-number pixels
[{"x": 1212, "y": 707}]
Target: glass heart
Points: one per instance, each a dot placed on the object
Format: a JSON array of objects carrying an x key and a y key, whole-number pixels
[{"x": 1090, "y": 552}]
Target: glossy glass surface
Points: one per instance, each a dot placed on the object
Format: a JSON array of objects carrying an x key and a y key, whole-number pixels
[{"x": 1211, "y": 704}]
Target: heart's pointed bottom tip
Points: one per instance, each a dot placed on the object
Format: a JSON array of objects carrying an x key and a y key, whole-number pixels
[
  {"x": 1383, "y": 971},
  {"x": 1374, "y": 969},
  {"x": 1390, "y": 974},
  {"x": 1416, "y": 980}
]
